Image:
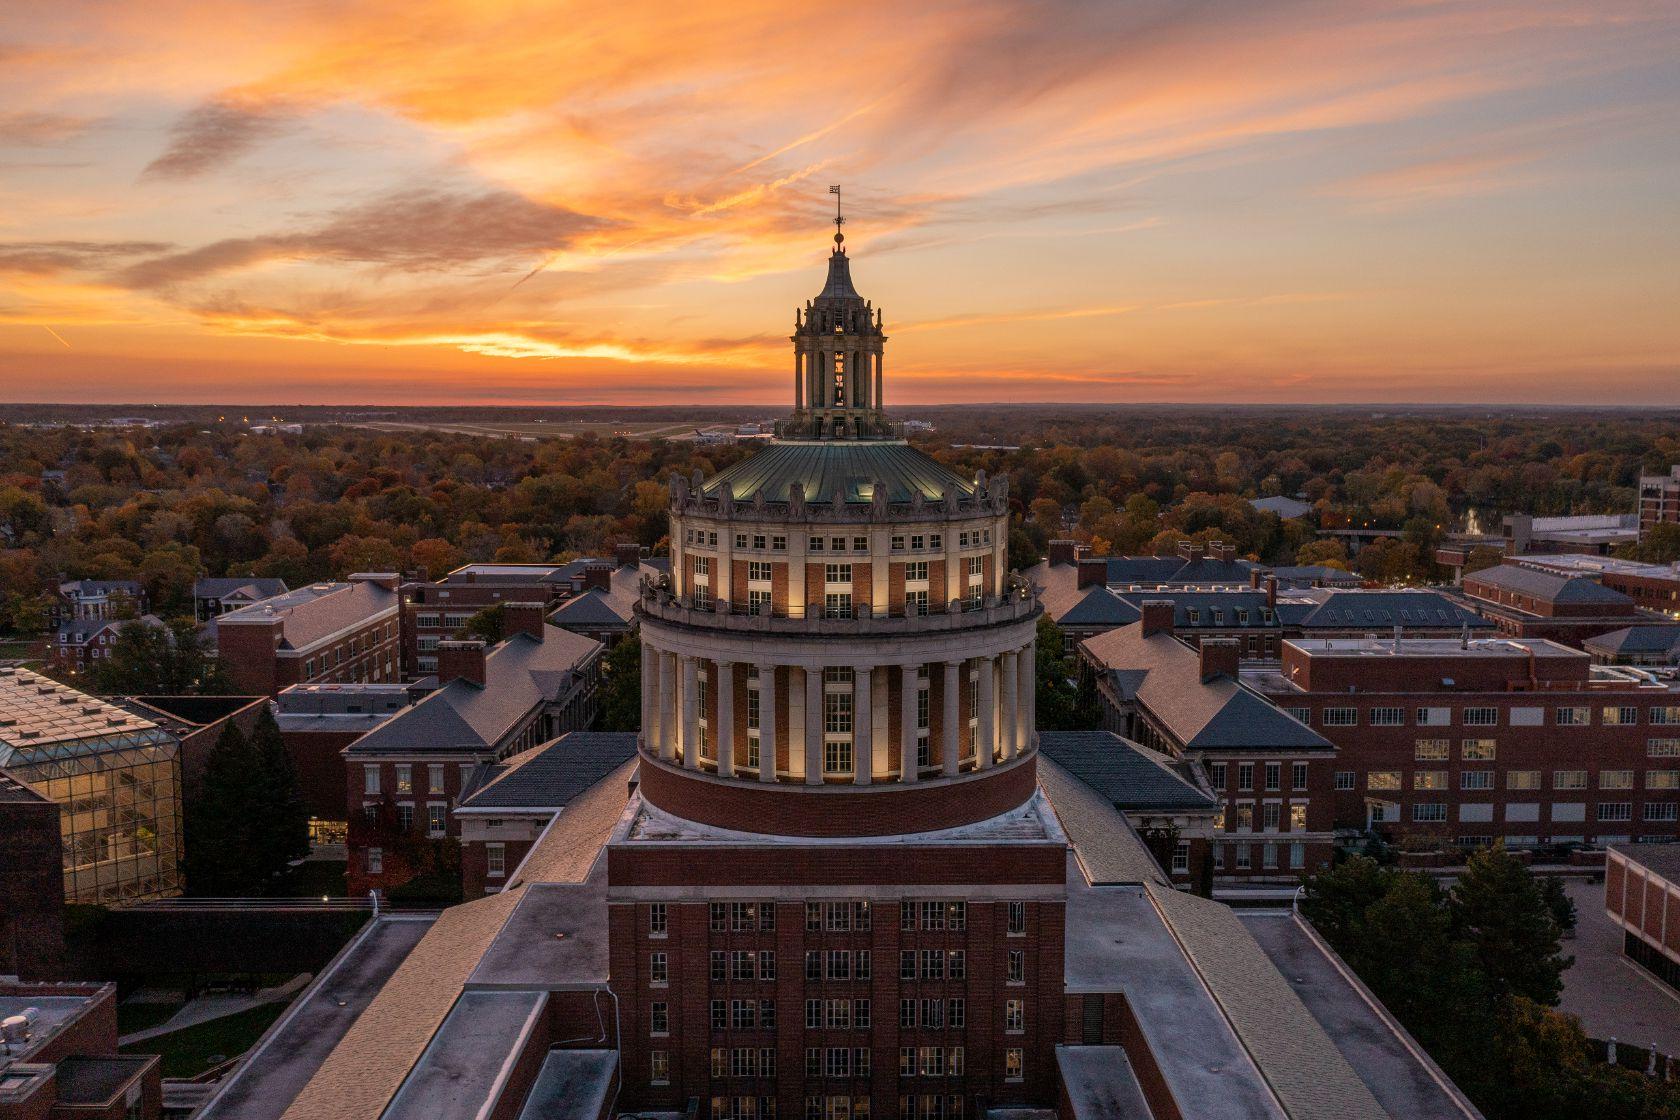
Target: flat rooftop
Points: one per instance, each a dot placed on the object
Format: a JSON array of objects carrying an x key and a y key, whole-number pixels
[
  {"x": 464, "y": 1064},
  {"x": 1101, "y": 1084},
  {"x": 572, "y": 1085},
  {"x": 1032, "y": 821},
  {"x": 92, "y": 1081},
  {"x": 53, "y": 1013},
  {"x": 1434, "y": 648},
  {"x": 1577, "y": 564}
]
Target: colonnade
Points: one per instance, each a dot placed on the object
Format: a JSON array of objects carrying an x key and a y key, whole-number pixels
[{"x": 820, "y": 723}]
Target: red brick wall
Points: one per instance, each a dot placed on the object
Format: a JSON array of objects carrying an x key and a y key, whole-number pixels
[{"x": 793, "y": 812}]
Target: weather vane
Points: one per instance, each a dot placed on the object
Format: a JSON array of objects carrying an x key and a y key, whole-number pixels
[{"x": 839, "y": 218}]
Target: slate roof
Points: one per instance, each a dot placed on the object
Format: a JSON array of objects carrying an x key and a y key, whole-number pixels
[
  {"x": 823, "y": 467},
  {"x": 1288, "y": 574},
  {"x": 80, "y": 631},
  {"x": 1636, "y": 639},
  {"x": 550, "y": 775},
  {"x": 1163, "y": 675},
  {"x": 99, "y": 586},
  {"x": 1285, "y": 508},
  {"x": 312, "y": 613},
  {"x": 1548, "y": 587},
  {"x": 256, "y": 587},
  {"x": 1228, "y": 603},
  {"x": 1340, "y": 608},
  {"x": 593, "y": 609},
  {"x": 520, "y": 674},
  {"x": 1127, "y": 774}
]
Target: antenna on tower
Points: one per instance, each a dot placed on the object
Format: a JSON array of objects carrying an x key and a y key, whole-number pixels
[{"x": 839, "y": 218}]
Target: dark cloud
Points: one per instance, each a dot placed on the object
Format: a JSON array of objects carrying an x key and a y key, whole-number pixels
[
  {"x": 412, "y": 231},
  {"x": 213, "y": 135},
  {"x": 46, "y": 257}
]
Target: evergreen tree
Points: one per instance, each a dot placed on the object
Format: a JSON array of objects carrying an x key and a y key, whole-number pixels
[
  {"x": 1336, "y": 900},
  {"x": 620, "y": 704},
  {"x": 1498, "y": 907},
  {"x": 1061, "y": 704},
  {"x": 221, "y": 824},
  {"x": 284, "y": 833}
]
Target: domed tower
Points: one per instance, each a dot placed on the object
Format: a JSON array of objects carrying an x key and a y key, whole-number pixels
[{"x": 839, "y": 649}]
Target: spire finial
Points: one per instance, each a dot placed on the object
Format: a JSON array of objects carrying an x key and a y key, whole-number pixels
[{"x": 839, "y": 218}]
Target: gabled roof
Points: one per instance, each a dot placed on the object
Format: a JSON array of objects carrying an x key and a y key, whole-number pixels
[
  {"x": 224, "y": 587},
  {"x": 1148, "y": 570},
  {"x": 592, "y": 610},
  {"x": 1163, "y": 675},
  {"x": 1099, "y": 606},
  {"x": 1127, "y": 774},
  {"x": 1204, "y": 603},
  {"x": 1340, "y": 608},
  {"x": 99, "y": 586},
  {"x": 1548, "y": 587},
  {"x": 309, "y": 614},
  {"x": 1636, "y": 639},
  {"x": 520, "y": 675},
  {"x": 550, "y": 775},
  {"x": 80, "y": 631}
]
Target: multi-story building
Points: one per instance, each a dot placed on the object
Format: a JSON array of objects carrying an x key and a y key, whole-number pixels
[
  {"x": 1659, "y": 500},
  {"x": 1470, "y": 741},
  {"x": 840, "y": 878},
  {"x": 115, "y": 776},
  {"x": 404, "y": 777},
  {"x": 1655, "y": 645},
  {"x": 59, "y": 1058},
  {"x": 1642, "y": 896},
  {"x": 80, "y": 644},
  {"x": 31, "y": 883},
  {"x": 1652, "y": 587},
  {"x": 324, "y": 632},
  {"x": 317, "y": 721},
  {"x": 216, "y": 596},
  {"x": 86, "y": 599},
  {"x": 1271, "y": 773},
  {"x": 1526, "y": 602}
]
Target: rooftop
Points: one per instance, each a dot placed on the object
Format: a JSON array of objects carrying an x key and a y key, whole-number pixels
[
  {"x": 521, "y": 674},
  {"x": 852, "y": 470},
  {"x": 255, "y": 587},
  {"x": 1127, "y": 774},
  {"x": 94, "y": 1081},
  {"x": 310, "y": 614},
  {"x": 1662, "y": 638},
  {"x": 38, "y": 713},
  {"x": 1575, "y": 564},
  {"x": 1548, "y": 587},
  {"x": 1435, "y": 648},
  {"x": 1662, "y": 860},
  {"x": 53, "y": 1013},
  {"x": 550, "y": 775}
]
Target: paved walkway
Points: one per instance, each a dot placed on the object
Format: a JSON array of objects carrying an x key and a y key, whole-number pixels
[
  {"x": 205, "y": 1008},
  {"x": 281, "y": 1064},
  {"x": 1614, "y": 997}
]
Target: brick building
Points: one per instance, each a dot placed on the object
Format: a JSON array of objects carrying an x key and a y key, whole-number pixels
[
  {"x": 59, "y": 1059},
  {"x": 324, "y": 632},
  {"x": 79, "y": 644},
  {"x": 1271, "y": 773},
  {"x": 404, "y": 777},
  {"x": 1657, "y": 645},
  {"x": 1652, "y": 587},
  {"x": 1659, "y": 500},
  {"x": 90, "y": 599},
  {"x": 317, "y": 721},
  {"x": 31, "y": 883},
  {"x": 841, "y": 878},
  {"x": 1526, "y": 602},
  {"x": 1642, "y": 896},
  {"x": 1472, "y": 741}
]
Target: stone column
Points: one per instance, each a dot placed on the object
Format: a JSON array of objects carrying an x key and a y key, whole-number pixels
[
  {"x": 798, "y": 542},
  {"x": 650, "y": 698},
  {"x": 666, "y": 718},
  {"x": 725, "y": 737},
  {"x": 1010, "y": 730},
  {"x": 813, "y": 725},
  {"x": 798, "y": 384},
  {"x": 766, "y": 723},
  {"x": 863, "y": 725},
  {"x": 908, "y": 688},
  {"x": 691, "y": 713},
  {"x": 985, "y": 732},
  {"x": 1028, "y": 704},
  {"x": 949, "y": 758}
]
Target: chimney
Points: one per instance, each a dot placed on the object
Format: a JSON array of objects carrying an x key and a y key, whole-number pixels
[
  {"x": 1271, "y": 591},
  {"x": 1192, "y": 550},
  {"x": 1254, "y": 575},
  {"x": 461, "y": 659},
  {"x": 598, "y": 575},
  {"x": 523, "y": 618},
  {"x": 388, "y": 580},
  {"x": 627, "y": 554},
  {"x": 1220, "y": 658},
  {"x": 1063, "y": 552},
  {"x": 1093, "y": 572},
  {"x": 1157, "y": 616},
  {"x": 1219, "y": 550}
]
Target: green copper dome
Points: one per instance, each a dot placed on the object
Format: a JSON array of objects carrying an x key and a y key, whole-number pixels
[{"x": 826, "y": 466}]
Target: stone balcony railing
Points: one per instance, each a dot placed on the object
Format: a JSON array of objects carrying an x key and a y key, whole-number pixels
[{"x": 657, "y": 602}]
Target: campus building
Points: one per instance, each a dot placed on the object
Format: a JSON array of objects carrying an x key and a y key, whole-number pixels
[
  {"x": 1471, "y": 741},
  {"x": 324, "y": 632},
  {"x": 1525, "y": 601},
  {"x": 1642, "y": 896},
  {"x": 215, "y": 596},
  {"x": 59, "y": 1059},
  {"x": 839, "y": 874},
  {"x": 1659, "y": 500}
]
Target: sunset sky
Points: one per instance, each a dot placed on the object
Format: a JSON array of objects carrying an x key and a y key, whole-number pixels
[{"x": 480, "y": 202}]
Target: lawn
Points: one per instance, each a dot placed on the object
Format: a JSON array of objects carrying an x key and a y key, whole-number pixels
[{"x": 192, "y": 1050}]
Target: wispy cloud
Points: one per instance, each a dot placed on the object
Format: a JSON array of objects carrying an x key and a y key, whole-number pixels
[{"x": 213, "y": 135}]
